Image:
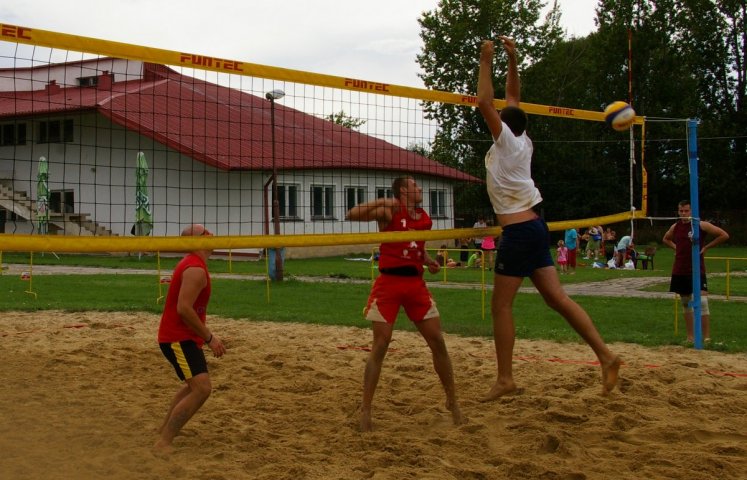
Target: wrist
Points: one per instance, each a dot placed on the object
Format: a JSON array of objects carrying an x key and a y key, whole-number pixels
[{"x": 209, "y": 339}]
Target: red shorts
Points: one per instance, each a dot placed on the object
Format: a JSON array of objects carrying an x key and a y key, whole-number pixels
[
  {"x": 572, "y": 257},
  {"x": 390, "y": 292}
]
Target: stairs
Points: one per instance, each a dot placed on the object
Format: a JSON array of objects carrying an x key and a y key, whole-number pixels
[{"x": 67, "y": 223}]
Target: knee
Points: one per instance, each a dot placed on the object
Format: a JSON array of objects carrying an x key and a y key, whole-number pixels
[
  {"x": 704, "y": 310},
  {"x": 686, "y": 305},
  {"x": 558, "y": 301},
  {"x": 381, "y": 345},
  {"x": 202, "y": 386}
]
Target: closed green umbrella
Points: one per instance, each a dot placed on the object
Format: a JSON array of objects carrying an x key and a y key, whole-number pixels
[
  {"x": 143, "y": 219},
  {"x": 42, "y": 196}
]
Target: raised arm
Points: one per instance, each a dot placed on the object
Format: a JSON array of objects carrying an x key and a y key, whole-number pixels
[
  {"x": 513, "y": 84},
  {"x": 379, "y": 210},
  {"x": 485, "y": 89}
]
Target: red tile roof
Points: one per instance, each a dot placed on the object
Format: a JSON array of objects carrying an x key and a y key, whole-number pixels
[{"x": 224, "y": 127}]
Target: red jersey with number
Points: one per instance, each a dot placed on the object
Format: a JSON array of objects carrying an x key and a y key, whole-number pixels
[
  {"x": 683, "y": 256},
  {"x": 405, "y": 254},
  {"x": 173, "y": 328}
]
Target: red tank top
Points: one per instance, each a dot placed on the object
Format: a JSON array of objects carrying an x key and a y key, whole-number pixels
[
  {"x": 683, "y": 260},
  {"x": 173, "y": 328},
  {"x": 405, "y": 254}
]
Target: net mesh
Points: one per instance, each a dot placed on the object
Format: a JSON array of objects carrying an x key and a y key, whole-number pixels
[{"x": 114, "y": 147}]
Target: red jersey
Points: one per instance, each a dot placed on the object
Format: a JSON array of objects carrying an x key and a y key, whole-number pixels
[
  {"x": 683, "y": 260},
  {"x": 405, "y": 254},
  {"x": 173, "y": 328}
]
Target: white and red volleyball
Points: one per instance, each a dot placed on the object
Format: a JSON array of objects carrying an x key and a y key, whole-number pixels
[{"x": 619, "y": 115}]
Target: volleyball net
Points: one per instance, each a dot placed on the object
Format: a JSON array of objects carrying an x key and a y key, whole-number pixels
[{"x": 113, "y": 147}]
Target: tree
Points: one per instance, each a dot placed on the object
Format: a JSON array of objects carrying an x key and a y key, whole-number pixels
[
  {"x": 452, "y": 34},
  {"x": 342, "y": 118},
  {"x": 688, "y": 62}
]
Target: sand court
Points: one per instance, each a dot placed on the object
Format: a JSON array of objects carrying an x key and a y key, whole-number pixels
[{"x": 84, "y": 392}]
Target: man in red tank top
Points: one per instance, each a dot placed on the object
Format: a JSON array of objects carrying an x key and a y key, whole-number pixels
[
  {"x": 679, "y": 237},
  {"x": 401, "y": 284},
  {"x": 181, "y": 335}
]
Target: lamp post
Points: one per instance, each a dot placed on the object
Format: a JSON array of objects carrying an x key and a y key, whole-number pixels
[{"x": 272, "y": 96}]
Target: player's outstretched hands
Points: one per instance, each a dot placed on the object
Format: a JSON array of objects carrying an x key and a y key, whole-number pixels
[
  {"x": 487, "y": 50},
  {"x": 508, "y": 45}
]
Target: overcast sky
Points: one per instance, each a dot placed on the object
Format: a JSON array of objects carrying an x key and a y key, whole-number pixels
[{"x": 368, "y": 40}]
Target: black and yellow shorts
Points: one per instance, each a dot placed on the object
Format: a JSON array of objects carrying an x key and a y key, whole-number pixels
[{"x": 186, "y": 357}]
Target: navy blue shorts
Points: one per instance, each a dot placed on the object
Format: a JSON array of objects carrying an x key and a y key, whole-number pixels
[
  {"x": 683, "y": 284},
  {"x": 524, "y": 247}
]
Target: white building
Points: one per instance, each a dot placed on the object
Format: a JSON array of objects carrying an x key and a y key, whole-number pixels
[{"x": 209, "y": 150}]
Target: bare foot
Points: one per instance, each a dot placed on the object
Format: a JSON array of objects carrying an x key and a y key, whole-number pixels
[
  {"x": 498, "y": 390},
  {"x": 163, "y": 449},
  {"x": 609, "y": 375},
  {"x": 456, "y": 414},
  {"x": 365, "y": 421}
]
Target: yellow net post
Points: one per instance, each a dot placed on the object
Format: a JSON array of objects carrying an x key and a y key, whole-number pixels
[
  {"x": 30, "y": 274},
  {"x": 267, "y": 275},
  {"x": 484, "y": 286},
  {"x": 160, "y": 278},
  {"x": 676, "y": 312}
]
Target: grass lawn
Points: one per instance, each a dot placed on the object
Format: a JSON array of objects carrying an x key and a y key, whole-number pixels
[{"x": 647, "y": 322}]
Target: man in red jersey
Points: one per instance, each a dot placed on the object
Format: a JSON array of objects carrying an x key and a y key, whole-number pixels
[
  {"x": 401, "y": 284},
  {"x": 182, "y": 333},
  {"x": 679, "y": 237}
]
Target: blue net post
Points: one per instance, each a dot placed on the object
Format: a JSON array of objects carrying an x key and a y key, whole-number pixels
[
  {"x": 692, "y": 157},
  {"x": 272, "y": 269}
]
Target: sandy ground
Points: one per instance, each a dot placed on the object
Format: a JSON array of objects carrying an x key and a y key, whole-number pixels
[{"x": 83, "y": 394}]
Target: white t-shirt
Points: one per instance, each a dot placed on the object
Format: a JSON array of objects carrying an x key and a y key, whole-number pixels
[{"x": 509, "y": 177}]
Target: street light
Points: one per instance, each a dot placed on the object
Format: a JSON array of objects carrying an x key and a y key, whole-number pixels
[{"x": 272, "y": 96}]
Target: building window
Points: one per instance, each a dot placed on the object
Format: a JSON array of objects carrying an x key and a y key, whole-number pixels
[
  {"x": 322, "y": 202},
  {"x": 438, "y": 203},
  {"x": 13, "y": 134},
  {"x": 56, "y": 131},
  {"x": 88, "y": 81},
  {"x": 62, "y": 201},
  {"x": 288, "y": 200},
  {"x": 354, "y": 196},
  {"x": 384, "y": 192}
]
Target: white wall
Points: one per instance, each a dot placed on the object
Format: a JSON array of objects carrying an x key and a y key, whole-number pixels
[{"x": 100, "y": 165}]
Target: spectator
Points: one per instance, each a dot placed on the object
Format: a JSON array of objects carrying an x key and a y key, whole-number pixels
[
  {"x": 488, "y": 249},
  {"x": 592, "y": 244},
  {"x": 562, "y": 256},
  {"x": 480, "y": 223},
  {"x": 680, "y": 238},
  {"x": 610, "y": 240},
  {"x": 464, "y": 247},
  {"x": 621, "y": 250},
  {"x": 571, "y": 241},
  {"x": 475, "y": 260}
]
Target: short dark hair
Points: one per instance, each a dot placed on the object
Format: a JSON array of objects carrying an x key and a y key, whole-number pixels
[
  {"x": 683, "y": 203},
  {"x": 397, "y": 185},
  {"x": 515, "y": 118}
]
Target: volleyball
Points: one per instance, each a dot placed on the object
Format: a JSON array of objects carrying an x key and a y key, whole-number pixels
[{"x": 619, "y": 115}]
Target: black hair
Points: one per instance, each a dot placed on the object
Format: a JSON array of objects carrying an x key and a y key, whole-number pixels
[{"x": 515, "y": 118}]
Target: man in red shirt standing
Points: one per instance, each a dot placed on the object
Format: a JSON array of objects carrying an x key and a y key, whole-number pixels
[
  {"x": 401, "y": 284},
  {"x": 181, "y": 335},
  {"x": 679, "y": 237}
]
